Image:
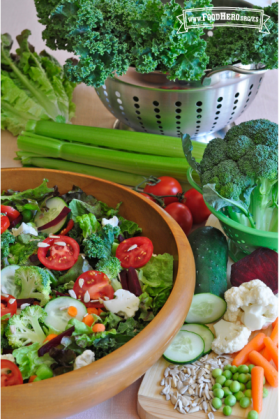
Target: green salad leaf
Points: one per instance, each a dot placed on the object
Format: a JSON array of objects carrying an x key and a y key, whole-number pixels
[{"x": 28, "y": 359}]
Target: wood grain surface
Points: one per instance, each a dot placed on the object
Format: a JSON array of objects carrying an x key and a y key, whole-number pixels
[{"x": 70, "y": 393}]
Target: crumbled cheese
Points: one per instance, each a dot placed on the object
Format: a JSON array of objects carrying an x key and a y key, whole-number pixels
[
  {"x": 86, "y": 358},
  {"x": 112, "y": 221},
  {"x": 24, "y": 229}
]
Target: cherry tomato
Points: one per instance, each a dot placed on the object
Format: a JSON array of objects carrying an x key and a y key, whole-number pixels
[
  {"x": 147, "y": 196},
  {"x": 8, "y": 305},
  {"x": 11, "y": 212},
  {"x": 167, "y": 186},
  {"x": 98, "y": 286},
  {"x": 195, "y": 202},
  {"x": 5, "y": 223},
  {"x": 182, "y": 215},
  {"x": 10, "y": 374},
  {"x": 57, "y": 256},
  {"x": 134, "y": 252}
]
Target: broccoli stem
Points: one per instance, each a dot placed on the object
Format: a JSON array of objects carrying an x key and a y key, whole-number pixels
[{"x": 262, "y": 207}]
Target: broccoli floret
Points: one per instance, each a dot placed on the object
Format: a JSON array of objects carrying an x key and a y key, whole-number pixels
[
  {"x": 260, "y": 131},
  {"x": 26, "y": 327},
  {"x": 111, "y": 267},
  {"x": 214, "y": 154},
  {"x": 34, "y": 282},
  {"x": 6, "y": 240},
  {"x": 239, "y": 147},
  {"x": 98, "y": 245}
]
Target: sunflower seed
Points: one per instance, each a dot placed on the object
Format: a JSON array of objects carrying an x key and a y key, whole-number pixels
[
  {"x": 210, "y": 415},
  {"x": 194, "y": 409},
  {"x": 162, "y": 382}
]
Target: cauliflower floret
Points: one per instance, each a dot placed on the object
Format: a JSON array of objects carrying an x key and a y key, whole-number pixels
[
  {"x": 252, "y": 303},
  {"x": 86, "y": 358},
  {"x": 230, "y": 337},
  {"x": 9, "y": 357},
  {"x": 24, "y": 229},
  {"x": 112, "y": 221},
  {"x": 125, "y": 304}
]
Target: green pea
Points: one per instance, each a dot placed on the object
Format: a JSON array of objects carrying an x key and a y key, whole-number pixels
[
  {"x": 253, "y": 415},
  {"x": 250, "y": 367},
  {"x": 235, "y": 376},
  {"x": 220, "y": 379},
  {"x": 218, "y": 392},
  {"x": 244, "y": 402},
  {"x": 227, "y": 374},
  {"x": 233, "y": 369},
  {"x": 226, "y": 391},
  {"x": 242, "y": 378},
  {"x": 239, "y": 395},
  {"x": 227, "y": 410},
  {"x": 243, "y": 369},
  {"x": 248, "y": 393},
  {"x": 27, "y": 215},
  {"x": 216, "y": 386},
  {"x": 216, "y": 403},
  {"x": 227, "y": 367},
  {"x": 242, "y": 387},
  {"x": 228, "y": 383},
  {"x": 44, "y": 372},
  {"x": 249, "y": 385},
  {"x": 249, "y": 376},
  {"x": 265, "y": 392},
  {"x": 217, "y": 372},
  {"x": 235, "y": 387},
  {"x": 230, "y": 400}
]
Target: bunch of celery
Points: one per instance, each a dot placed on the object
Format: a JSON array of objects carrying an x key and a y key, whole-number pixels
[{"x": 119, "y": 156}]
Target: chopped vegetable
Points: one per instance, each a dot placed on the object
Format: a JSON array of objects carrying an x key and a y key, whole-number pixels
[
  {"x": 98, "y": 328},
  {"x": 270, "y": 372},
  {"x": 272, "y": 349},
  {"x": 256, "y": 344},
  {"x": 257, "y": 388},
  {"x": 34, "y": 282},
  {"x": 10, "y": 374},
  {"x": 274, "y": 338}
]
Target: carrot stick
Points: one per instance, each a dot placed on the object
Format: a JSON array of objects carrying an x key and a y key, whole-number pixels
[
  {"x": 98, "y": 327},
  {"x": 88, "y": 320},
  {"x": 274, "y": 338},
  {"x": 269, "y": 371},
  {"x": 256, "y": 344},
  {"x": 257, "y": 376},
  {"x": 272, "y": 349},
  {"x": 274, "y": 323},
  {"x": 49, "y": 337}
]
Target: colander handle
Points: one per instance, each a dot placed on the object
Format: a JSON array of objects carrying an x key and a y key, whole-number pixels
[
  {"x": 191, "y": 180},
  {"x": 235, "y": 69}
]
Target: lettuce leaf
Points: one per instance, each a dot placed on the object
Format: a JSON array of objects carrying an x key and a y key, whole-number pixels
[{"x": 28, "y": 359}]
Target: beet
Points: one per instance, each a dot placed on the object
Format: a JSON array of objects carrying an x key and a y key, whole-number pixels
[
  {"x": 133, "y": 282},
  {"x": 261, "y": 264},
  {"x": 65, "y": 211},
  {"x": 55, "y": 341},
  {"x": 21, "y": 301},
  {"x": 16, "y": 221},
  {"x": 124, "y": 279}
]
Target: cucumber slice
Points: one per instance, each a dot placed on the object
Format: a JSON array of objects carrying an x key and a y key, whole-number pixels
[
  {"x": 57, "y": 313},
  {"x": 206, "y": 308},
  {"x": 185, "y": 347},
  {"x": 55, "y": 206},
  {"x": 204, "y": 332},
  {"x": 7, "y": 281}
]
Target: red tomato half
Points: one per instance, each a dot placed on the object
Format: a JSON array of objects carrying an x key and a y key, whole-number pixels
[
  {"x": 134, "y": 257},
  {"x": 8, "y": 305},
  {"x": 10, "y": 374},
  {"x": 167, "y": 186},
  {"x": 195, "y": 202},
  {"x": 11, "y": 212},
  {"x": 59, "y": 257},
  {"x": 182, "y": 215},
  {"x": 5, "y": 223},
  {"x": 98, "y": 286}
]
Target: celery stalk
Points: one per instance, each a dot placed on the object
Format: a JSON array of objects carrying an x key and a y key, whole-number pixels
[{"x": 116, "y": 139}]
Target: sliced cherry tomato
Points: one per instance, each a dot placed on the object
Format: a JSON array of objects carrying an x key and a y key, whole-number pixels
[
  {"x": 5, "y": 223},
  {"x": 8, "y": 305},
  {"x": 134, "y": 252},
  {"x": 167, "y": 186},
  {"x": 98, "y": 286},
  {"x": 69, "y": 227},
  {"x": 195, "y": 202},
  {"x": 182, "y": 215},
  {"x": 10, "y": 374},
  {"x": 57, "y": 256},
  {"x": 147, "y": 196},
  {"x": 11, "y": 212}
]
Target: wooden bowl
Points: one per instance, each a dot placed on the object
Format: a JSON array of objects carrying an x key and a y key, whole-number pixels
[{"x": 79, "y": 390}]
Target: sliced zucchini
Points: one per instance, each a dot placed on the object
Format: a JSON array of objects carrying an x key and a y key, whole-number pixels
[
  {"x": 55, "y": 206},
  {"x": 57, "y": 312},
  {"x": 186, "y": 347},
  {"x": 206, "y": 308},
  {"x": 204, "y": 332},
  {"x": 7, "y": 281}
]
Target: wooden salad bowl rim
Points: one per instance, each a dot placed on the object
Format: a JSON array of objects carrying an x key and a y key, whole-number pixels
[{"x": 73, "y": 392}]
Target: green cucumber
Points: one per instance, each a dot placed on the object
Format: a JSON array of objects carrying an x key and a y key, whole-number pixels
[
  {"x": 210, "y": 250},
  {"x": 55, "y": 206},
  {"x": 184, "y": 348},
  {"x": 206, "y": 308},
  {"x": 7, "y": 281},
  {"x": 204, "y": 332},
  {"x": 57, "y": 313}
]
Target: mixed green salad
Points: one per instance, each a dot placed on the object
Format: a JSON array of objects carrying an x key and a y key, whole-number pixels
[{"x": 77, "y": 282}]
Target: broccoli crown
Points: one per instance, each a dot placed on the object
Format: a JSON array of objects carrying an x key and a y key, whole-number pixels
[
  {"x": 260, "y": 131},
  {"x": 260, "y": 162},
  {"x": 34, "y": 282},
  {"x": 6, "y": 240},
  {"x": 98, "y": 245},
  {"x": 26, "y": 327},
  {"x": 214, "y": 153},
  {"x": 111, "y": 267}
]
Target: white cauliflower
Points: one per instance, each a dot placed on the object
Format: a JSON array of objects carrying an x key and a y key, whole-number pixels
[
  {"x": 24, "y": 229},
  {"x": 86, "y": 358},
  {"x": 125, "y": 304},
  {"x": 252, "y": 303},
  {"x": 9, "y": 357},
  {"x": 230, "y": 337}
]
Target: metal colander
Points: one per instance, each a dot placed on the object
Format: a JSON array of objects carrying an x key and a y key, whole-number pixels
[{"x": 151, "y": 103}]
